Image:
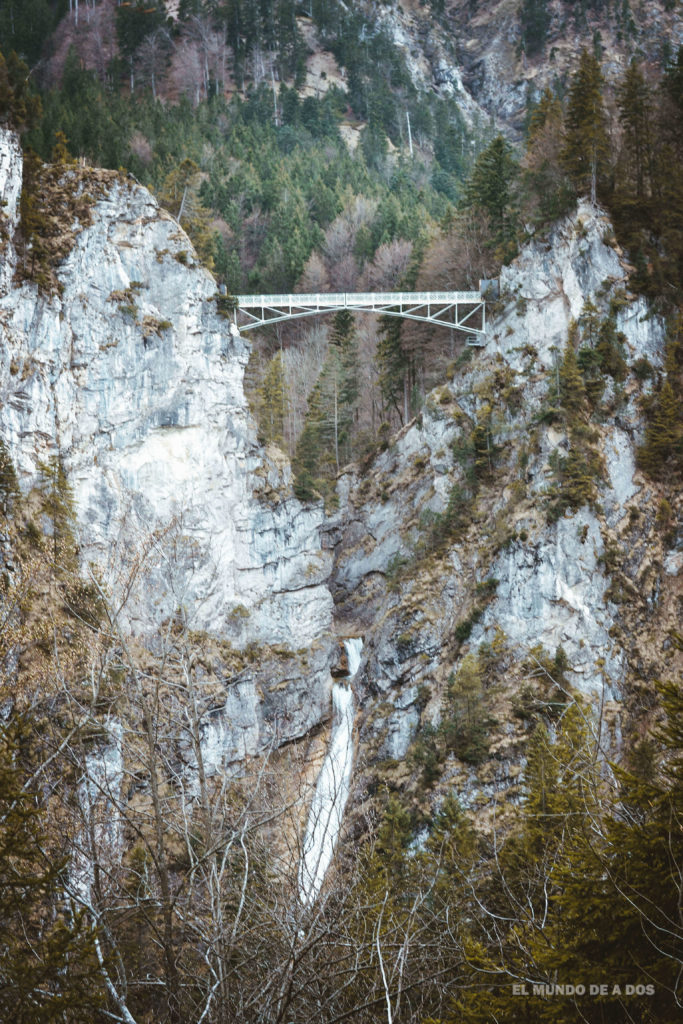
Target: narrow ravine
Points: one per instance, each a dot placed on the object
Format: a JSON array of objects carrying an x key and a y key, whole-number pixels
[{"x": 332, "y": 788}]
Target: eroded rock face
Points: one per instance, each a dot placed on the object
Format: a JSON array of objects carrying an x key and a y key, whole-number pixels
[
  {"x": 550, "y": 281},
  {"x": 10, "y": 192},
  {"x": 135, "y": 380},
  {"x": 554, "y": 584},
  {"x": 552, "y": 592}
]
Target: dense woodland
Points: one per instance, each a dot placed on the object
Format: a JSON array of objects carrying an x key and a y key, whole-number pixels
[{"x": 200, "y": 920}]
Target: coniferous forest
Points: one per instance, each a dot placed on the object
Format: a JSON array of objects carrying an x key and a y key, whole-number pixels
[{"x": 367, "y": 182}]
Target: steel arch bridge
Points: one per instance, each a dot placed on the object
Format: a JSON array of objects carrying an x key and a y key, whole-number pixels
[{"x": 459, "y": 311}]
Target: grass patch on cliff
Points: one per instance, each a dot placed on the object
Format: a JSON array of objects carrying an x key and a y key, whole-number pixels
[{"x": 56, "y": 202}]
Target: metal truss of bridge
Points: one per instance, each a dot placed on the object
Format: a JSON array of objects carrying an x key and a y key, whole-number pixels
[{"x": 460, "y": 311}]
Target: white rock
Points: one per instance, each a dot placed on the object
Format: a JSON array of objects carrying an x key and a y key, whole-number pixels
[
  {"x": 10, "y": 193},
  {"x": 154, "y": 431},
  {"x": 552, "y": 593},
  {"x": 621, "y": 468}
]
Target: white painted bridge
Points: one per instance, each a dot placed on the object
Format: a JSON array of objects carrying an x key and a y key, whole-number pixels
[{"x": 460, "y": 311}]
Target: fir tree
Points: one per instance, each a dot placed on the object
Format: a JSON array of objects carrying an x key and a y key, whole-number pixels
[
  {"x": 19, "y": 107},
  {"x": 273, "y": 402},
  {"x": 663, "y": 434},
  {"x": 635, "y": 114},
  {"x": 662, "y": 452},
  {"x": 545, "y": 184},
  {"x": 572, "y": 391},
  {"x": 586, "y": 149},
  {"x": 48, "y": 966},
  {"x": 465, "y": 726},
  {"x": 535, "y": 19},
  {"x": 343, "y": 338},
  {"x": 9, "y": 484},
  {"x": 57, "y": 505},
  {"x": 490, "y": 188},
  {"x": 394, "y": 368}
]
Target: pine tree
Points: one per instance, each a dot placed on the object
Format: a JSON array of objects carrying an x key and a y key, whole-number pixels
[
  {"x": 9, "y": 484},
  {"x": 48, "y": 965},
  {"x": 490, "y": 188},
  {"x": 394, "y": 368},
  {"x": 663, "y": 434},
  {"x": 635, "y": 114},
  {"x": 273, "y": 402},
  {"x": 545, "y": 184},
  {"x": 343, "y": 338},
  {"x": 586, "y": 148},
  {"x": 57, "y": 505},
  {"x": 60, "y": 152},
  {"x": 662, "y": 452},
  {"x": 19, "y": 108},
  {"x": 180, "y": 193},
  {"x": 618, "y": 915},
  {"x": 465, "y": 724},
  {"x": 315, "y": 461},
  {"x": 390, "y": 859},
  {"x": 535, "y": 19},
  {"x": 572, "y": 391}
]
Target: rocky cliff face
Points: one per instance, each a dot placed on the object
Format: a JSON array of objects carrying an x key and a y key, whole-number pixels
[
  {"x": 474, "y": 50},
  {"x": 511, "y": 585},
  {"x": 131, "y": 375},
  {"x": 133, "y": 378}
]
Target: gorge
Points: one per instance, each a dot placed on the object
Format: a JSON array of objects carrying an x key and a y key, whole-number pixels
[{"x": 340, "y": 658}]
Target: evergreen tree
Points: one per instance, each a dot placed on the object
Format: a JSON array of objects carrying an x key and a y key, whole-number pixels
[
  {"x": 662, "y": 452},
  {"x": 49, "y": 972},
  {"x": 394, "y": 368},
  {"x": 535, "y": 19},
  {"x": 465, "y": 726},
  {"x": 57, "y": 505},
  {"x": 272, "y": 402},
  {"x": 134, "y": 22},
  {"x": 25, "y": 25},
  {"x": 315, "y": 461},
  {"x": 620, "y": 874},
  {"x": 19, "y": 107},
  {"x": 180, "y": 193},
  {"x": 635, "y": 114},
  {"x": 545, "y": 184},
  {"x": 663, "y": 435},
  {"x": 490, "y": 188},
  {"x": 343, "y": 338},
  {"x": 572, "y": 391},
  {"x": 326, "y": 440},
  {"x": 9, "y": 484},
  {"x": 394, "y": 834},
  {"x": 586, "y": 148}
]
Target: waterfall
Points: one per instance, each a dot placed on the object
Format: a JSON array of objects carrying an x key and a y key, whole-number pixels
[
  {"x": 332, "y": 787},
  {"x": 98, "y": 796}
]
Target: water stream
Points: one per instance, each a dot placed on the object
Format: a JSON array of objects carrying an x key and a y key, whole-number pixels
[
  {"x": 332, "y": 788},
  {"x": 100, "y": 834}
]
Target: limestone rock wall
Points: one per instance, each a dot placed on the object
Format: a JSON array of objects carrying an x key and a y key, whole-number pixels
[
  {"x": 131, "y": 375},
  {"x": 553, "y": 585}
]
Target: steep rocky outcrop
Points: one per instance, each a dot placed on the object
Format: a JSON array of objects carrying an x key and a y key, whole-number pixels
[
  {"x": 133, "y": 377},
  {"x": 512, "y": 583},
  {"x": 475, "y": 51}
]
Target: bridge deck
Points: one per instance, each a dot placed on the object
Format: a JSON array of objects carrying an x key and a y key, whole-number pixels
[
  {"x": 462, "y": 311},
  {"x": 348, "y": 299}
]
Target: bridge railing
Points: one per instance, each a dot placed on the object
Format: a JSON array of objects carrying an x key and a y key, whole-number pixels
[{"x": 332, "y": 299}]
